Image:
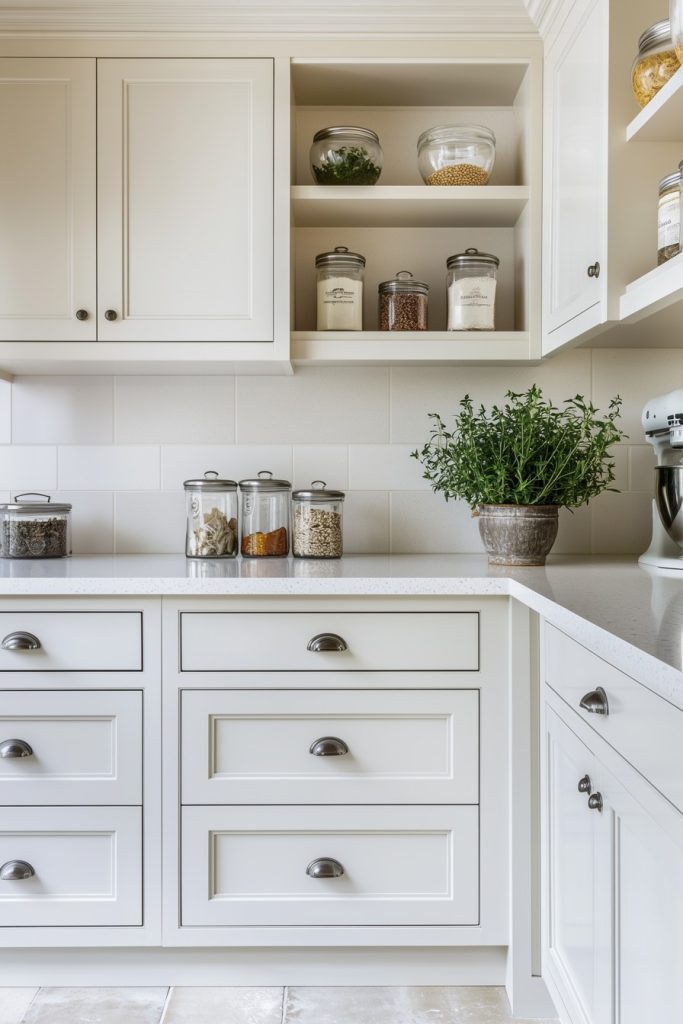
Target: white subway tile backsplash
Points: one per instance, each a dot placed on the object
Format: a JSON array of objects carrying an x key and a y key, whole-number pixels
[
  {"x": 620, "y": 457},
  {"x": 641, "y": 468},
  {"x": 621, "y": 523},
  {"x": 5, "y": 412},
  {"x": 321, "y": 462},
  {"x": 366, "y": 522},
  {"x": 233, "y": 462},
  {"x": 574, "y": 534},
  {"x": 149, "y": 522},
  {"x": 174, "y": 410},
  {"x": 28, "y": 468},
  {"x": 92, "y": 520},
  {"x": 429, "y": 524},
  {"x": 107, "y": 468},
  {"x": 385, "y": 467},
  {"x": 62, "y": 410},
  {"x": 637, "y": 375}
]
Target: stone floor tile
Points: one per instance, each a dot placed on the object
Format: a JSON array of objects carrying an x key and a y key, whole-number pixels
[
  {"x": 97, "y": 1006},
  {"x": 14, "y": 1002},
  {"x": 224, "y": 1006}
]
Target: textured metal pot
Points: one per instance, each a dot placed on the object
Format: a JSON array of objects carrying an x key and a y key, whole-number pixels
[{"x": 518, "y": 534}]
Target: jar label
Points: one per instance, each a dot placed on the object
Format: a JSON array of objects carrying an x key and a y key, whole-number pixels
[
  {"x": 340, "y": 304},
  {"x": 669, "y": 221},
  {"x": 471, "y": 303}
]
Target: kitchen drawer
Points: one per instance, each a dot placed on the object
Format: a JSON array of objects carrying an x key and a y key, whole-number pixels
[
  {"x": 85, "y": 747},
  {"x": 404, "y": 746},
  {"x": 644, "y": 728},
  {"x": 87, "y": 863},
  {"x": 402, "y": 866},
  {"x": 73, "y": 641},
  {"x": 280, "y": 641}
]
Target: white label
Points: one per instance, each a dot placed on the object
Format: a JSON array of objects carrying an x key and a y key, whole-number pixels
[
  {"x": 340, "y": 304},
  {"x": 669, "y": 221},
  {"x": 471, "y": 304}
]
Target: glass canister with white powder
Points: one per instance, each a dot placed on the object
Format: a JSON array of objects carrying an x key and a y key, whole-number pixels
[
  {"x": 340, "y": 290},
  {"x": 472, "y": 280}
]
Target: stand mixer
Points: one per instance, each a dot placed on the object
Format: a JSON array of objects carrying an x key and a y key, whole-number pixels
[{"x": 662, "y": 422}]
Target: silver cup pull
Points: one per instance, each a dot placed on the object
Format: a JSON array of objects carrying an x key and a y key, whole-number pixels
[
  {"x": 15, "y": 748},
  {"x": 328, "y": 746},
  {"x": 325, "y": 867},
  {"x": 585, "y": 784},
  {"x": 327, "y": 642},
  {"x": 16, "y": 871},
  {"x": 595, "y": 702},
  {"x": 595, "y": 801},
  {"x": 20, "y": 641}
]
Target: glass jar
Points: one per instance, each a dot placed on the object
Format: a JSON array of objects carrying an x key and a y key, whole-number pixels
[
  {"x": 456, "y": 154},
  {"x": 655, "y": 64},
  {"x": 472, "y": 279},
  {"x": 346, "y": 155},
  {"x": 211, "y": 506},
  {"x": 676, "y": 23},
  {"x": 403, "y": 303},
  {"x": 669, "y": 217},
  {"x": 317, "y": 522},
  {"x": 340, "y": 277},
  {"x": 35, "y": 529},
  {"x": 265, "y": 516}
]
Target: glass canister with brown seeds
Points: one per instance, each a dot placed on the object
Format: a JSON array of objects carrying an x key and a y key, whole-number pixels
[{"x": 403, "y": 303}]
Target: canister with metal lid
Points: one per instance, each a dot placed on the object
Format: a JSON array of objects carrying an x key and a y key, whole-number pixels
[
  {"x": 265, "y": 516},
  {"x": 35, "y": 529},
  {"x": 656, "y": 62},
  {"x": 211, "y": 505},
  {"x": 472, "y": 278},
  {"x": 340, "y": 276},
  {"x": 669, "y": 217},
  {"x": 346, "y": 155},
  {"x": 317, "y": 522},
  {"x": 403, "y": 303}
]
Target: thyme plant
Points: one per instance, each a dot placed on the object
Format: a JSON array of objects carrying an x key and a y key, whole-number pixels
[{"x": 525, "y": 452}]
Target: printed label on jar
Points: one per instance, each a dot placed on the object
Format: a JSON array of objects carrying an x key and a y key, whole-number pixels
[
  {"x": 340, "y": 304},
  {"x": 669, "y": 222},
  {"x": 471, "y": 304}
]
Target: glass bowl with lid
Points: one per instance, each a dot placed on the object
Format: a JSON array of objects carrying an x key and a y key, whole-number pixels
[
  {"x": 32, "y": 528},
  {"x": 456, "y": 154},
  {"x": 346, "y": 155}
]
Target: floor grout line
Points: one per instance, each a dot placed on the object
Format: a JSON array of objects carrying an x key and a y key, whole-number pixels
[
  {"x": 284, "y": 1004},
  {"x": 166, "y": 1004}
]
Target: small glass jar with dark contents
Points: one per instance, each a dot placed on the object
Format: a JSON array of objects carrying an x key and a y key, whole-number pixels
[{"x": 403, "y": 303}]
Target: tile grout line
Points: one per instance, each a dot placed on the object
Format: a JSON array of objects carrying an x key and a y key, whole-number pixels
[
  {"x": 167, "y": 1002},
  {"x": 283, "y": 1013}
]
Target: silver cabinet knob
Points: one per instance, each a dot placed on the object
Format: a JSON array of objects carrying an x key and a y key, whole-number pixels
[
  {"x": 593, "y": 270},
  {"x": 595, "y": 801},
  {"x": 325, "y": 867},
  {"x": 15, "y": 748},
  {"x": 585, "y": 784},
  {"x": 20, "y": 641},
  {"x": 16, "y": 871},
  {"x": 110, "y": 314},
  {"x": 328, "y": 746},
  {"x": 81, "y": 314},
  {"x": 595, "y": 702},
  {"x": 327, "y": 642}
]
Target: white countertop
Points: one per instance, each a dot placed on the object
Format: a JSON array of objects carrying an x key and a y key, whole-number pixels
[{"x": 631, "y": 616}]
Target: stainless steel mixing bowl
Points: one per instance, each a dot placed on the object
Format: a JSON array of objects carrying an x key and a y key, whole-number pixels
[{"x": 669, "y": 498}]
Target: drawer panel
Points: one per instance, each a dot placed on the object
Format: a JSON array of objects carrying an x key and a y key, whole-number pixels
[
  {"x": 644, "y": 728},
  {"x": 86, "y": 747},
  {"x": 375, "y": 641},
  {"x": 87, "y": 863},
  {"x": 74, "y": 641},
  {"x": 403, "y": 747},
  {"x": 402, "y": 866}
]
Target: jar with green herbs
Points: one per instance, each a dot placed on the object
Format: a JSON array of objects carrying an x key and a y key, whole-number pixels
[
  {"x": 346, "y": 155},
  {"x": 655, "y": 64},
  {"x": 211, "y": 517}
]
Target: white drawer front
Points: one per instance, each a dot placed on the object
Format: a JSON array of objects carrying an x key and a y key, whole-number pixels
[
  {"x": 87, "y": 863},
  {"x": 73, "y": 641},
  {"x": 86, "y": 747},
  {"x": 403, "y": 747},
  {"x": 645, "y": 729},
  {"x": 376, "y": 641},
  {"x": 402, "y": 866}
]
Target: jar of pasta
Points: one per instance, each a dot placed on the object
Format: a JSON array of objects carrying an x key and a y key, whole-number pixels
[{"x": 656, "y": 62}]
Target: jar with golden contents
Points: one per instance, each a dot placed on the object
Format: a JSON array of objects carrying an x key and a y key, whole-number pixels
[
  {"x": 655, "y": 64},
  {"x": 456, "y": 154},
  {"x": 676, "y": 22},
  {"x": 264, "y": 519}
]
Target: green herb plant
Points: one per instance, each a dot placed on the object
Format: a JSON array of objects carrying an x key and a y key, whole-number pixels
[
  {"x": 350, "y": 165},
  {"x": 525, "y": 452}
]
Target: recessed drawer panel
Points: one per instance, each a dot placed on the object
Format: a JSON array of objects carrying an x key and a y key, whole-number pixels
[
  {"x": 70, "y": 747},
  {"x": 84, "y": 866},
  {"x": 70, "y": 641},
  {"x": 334, "y": 747},
  {"x": 329, "y": 641},
  {"x": 330, "y": 866},
  {"x": 644, "y": 728}
]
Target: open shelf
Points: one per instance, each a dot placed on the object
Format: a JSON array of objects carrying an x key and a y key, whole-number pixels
[
  {"x": 409, "y": 348},
  {"x": 653, "y": 292},
  {"x": 662, "y": 119}
]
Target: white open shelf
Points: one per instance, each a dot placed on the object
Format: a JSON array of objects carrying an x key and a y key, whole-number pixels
[
  {"x": 410, "y": 348},
  {"x": 653, "y": 292},
  {"x": 662, "y": 119}
]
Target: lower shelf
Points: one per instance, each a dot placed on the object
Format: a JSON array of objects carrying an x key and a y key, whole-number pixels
[{"x": 411, "y": 348}]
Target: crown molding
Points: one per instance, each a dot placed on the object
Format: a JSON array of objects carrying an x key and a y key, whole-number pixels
[{"x": 547, "y": 15}]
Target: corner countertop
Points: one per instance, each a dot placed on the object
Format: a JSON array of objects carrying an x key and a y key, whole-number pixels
[{"x": 630, "y": 615}]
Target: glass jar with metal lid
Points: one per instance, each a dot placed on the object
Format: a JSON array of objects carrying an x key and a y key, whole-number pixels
[
  {"x": 211, "y": 505},
  {"x": 472, "y": 279},
  {"x": 676, "y": 22},
  {"x": 339, "y": 294},
  {"x": 265, "y": 516},
  {"x": 403, "y": 303},
  {"x": 669, "y": 217},
  {"x": 346, "y": 155},
  {"x": 656, "y": 62},
  {"x": 317, "y": 525},
  {"x": 35, "y": 529},
  {"x": 456, "y": 154}
]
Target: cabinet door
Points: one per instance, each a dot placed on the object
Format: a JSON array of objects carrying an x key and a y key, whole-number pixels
[
  {"x": 47, "y": 199},
  {"x": 185, "y": 200},
  {"x": 575, "y": 175}
]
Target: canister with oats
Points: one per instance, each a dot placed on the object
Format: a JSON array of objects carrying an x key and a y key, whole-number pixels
[{"x": 317, "y": 522}]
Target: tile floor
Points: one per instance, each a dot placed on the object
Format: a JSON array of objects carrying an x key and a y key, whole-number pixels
[{"x": 255, "y": 1006}]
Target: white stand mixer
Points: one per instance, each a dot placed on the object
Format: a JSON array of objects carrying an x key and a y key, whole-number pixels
[{"x": 662, "y": 422}]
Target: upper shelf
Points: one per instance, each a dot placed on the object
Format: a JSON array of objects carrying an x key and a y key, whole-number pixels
[
  {"x": 662, "y": 119},
  {"x": 653, "y": 292},
  {"x": 410, "y": 348}
]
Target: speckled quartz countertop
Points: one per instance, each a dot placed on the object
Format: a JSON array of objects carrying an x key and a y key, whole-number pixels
[{"x": 631, "y": 616}]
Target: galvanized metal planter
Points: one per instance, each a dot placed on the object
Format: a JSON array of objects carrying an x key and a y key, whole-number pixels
[{"x": 518, "y": 534}]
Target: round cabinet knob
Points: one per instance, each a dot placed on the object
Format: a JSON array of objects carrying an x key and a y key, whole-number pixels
[
  {"x": 595, "y": 702},
  {"x": 585, "y": 784},
  {"x": 594, "y": 270},
  {"x": 81, "y": 314},
  {"x": 325, "y": 867},
  {"x": 20, "y": 641},
  {"x": 110, "y": 314},
  {"x": 328, "y": 746},
  {"x": 595, "y": 801},
  {"x": 16, "y": 871},
  {"x": 15, "y": 748},
  {"x": 327, "y": 642}
]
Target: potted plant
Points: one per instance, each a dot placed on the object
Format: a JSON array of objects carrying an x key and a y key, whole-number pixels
[{"x": 519, "y": 463}]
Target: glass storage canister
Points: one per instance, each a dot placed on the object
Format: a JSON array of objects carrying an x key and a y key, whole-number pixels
[
  {"x": 403, "y": 303},
  {"x": 211, "y": 505},
  {"x": 317, "y": 525},
  {"x": 339, "y": 294},
  {"x": 655, "y": 64},
  {"x": 472, "y": 279},
  {"x": 35, "y": 529},
  {"x": 676, "y": 23},
  {"x": 346, "y": 155},
  {"x": 265, "y": 516},
  {"x": 669, "y": 217},
  {"x": 456, "y": 154}
]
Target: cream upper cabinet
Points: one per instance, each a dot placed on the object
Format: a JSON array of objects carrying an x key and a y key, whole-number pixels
[
  {"x": 47, "y": 200},
  {"x": 185, "y": 200}
]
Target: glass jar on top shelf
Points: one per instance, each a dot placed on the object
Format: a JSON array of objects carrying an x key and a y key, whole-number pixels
[
  {"x": 656, "y": 62},
  {"x": 265, "y": 516},
  {"x": 456, "y": 154},
  {"x": 346, "y": 155},
  {"x": 676, "y": 23},
  {"x": 211, "y": 507}
]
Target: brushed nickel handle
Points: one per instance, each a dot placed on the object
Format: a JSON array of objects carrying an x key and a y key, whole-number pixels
[
  {"x": 595, "y": 702},
  {"x": 15, "y": 748},
  {"x": 595, "y": 801},
  {"x": 20, "y": 641},
  {"x": 593, "y": 270},
  {"x": 325, "y": 867},
  {"x": 328, "y": 746},
  {"x": 327, "y": 642},
  {"x": 16, "y": 871},
  {"x": 81, "y": 314},
  {"x": 110, "y": 314},
  {"x": 585, "y": 785}
]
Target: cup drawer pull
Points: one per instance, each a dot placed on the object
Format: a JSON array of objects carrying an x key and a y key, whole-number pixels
[
  {"x": 595, "y": 702},
  {"x": 325, "y": 867},
  {"x": 16, "y": 871},
  {"x": 328, "y": 746},
  {"x": 327, "y": 642},
  {"x": 20, "y": 641},
  {"x": 15, "y": 748}
]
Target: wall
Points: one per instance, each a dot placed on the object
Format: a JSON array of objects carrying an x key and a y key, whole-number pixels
[{"x": 120, "y": 447}]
